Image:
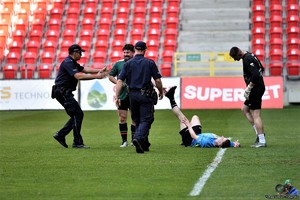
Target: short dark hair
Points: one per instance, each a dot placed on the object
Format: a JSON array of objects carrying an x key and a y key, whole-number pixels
[
  {"x": 129, "y": 47},
  {"x": 225, "y": 144},
  {"x": 234, "y": 51}
]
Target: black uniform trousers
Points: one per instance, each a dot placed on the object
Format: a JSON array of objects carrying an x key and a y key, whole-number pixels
[
  {"x": 72, "y": 108},
  {"x": 142, "y": 113}
]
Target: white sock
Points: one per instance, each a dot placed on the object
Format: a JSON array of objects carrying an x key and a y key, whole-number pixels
[
  {"x": 261, "y": 138},
  {"x": 254, "y": 127}
]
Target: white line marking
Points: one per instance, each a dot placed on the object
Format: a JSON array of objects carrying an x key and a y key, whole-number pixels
[{"x": 202, "y": 180}]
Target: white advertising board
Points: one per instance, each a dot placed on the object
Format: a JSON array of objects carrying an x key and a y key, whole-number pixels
[
  {"x": 99, "y": 94},
  {"x": 27, "y": 95}
]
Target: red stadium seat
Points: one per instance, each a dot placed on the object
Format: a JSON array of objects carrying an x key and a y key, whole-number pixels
[
  {"x": 71, "y": 23},
  {"x": 293, "y": 69},
  {"x": 293, "y": 55},
  {"x": 117, "y": 45},
  {"x": 124, "y": 3},
  {"x": 261, "y": 54},
  {"x": 35, "y": 35},
  {"x": 44, "y": 71},
  {"x": 258, "y": 43},
  {"x": 27, "y": 71},
  {"x": 137, "y": 34},
  {"x": 153, "y": 34},
  {"x": 276, "y": 68},
  {"x": 152, "y": 55},
  {"x": 275, "y": 9},
  {"x": 84, "y": 58},
  {"x": 258, "y": 21},
  {"x": 69, "y": 34},
  {"x": 106, "y": 12},
  {"x": 12, "y": 58},
  {"x": 292, "y": 9},
  {"x": 172, "y": 11},
  {"x": 115, "y": 56},
  {"x": 9, "y": 4},
  {"x": 49, "y": 46},
  {"x": 276, "y": 43},
  {"x": 101, "y": 45},
  {"x": 173, "y": 3},
  {"x": 47, "y": 58},
  {"x": 105, "y": 23},
  {"x": 54, "y": 24},
  {"x": 156, "y": 12},
  {"x": 62, "y": 55},
  {"x": 10, "y": 71},
  {"x": 292, "y": 20},
  {"x": 166, "y": 69},
  {"x": 72, "y": 13},
  {"x": 275, "y": 32},
  {"x": 154, "y": 23},
  {"x": 171, "y": 34},
  {"x": 140, "y": 3},
  {"x": 168, "y": 56},
  {"x": 121, "y": 23},
  {"x": 103, "y": 34},
  {"x": 19, "y": 36},
  {"x": 172, "y": 22},
  {"x": 275, "y": 21},
  {"x": 271, "y": 2},
  {"x": 89, "y": 12},
  {"x": 65, "y": 44},
  {"x": 157, "y": 3},
  {"x": 86, "y": 35},
  {"x": 91, "y": 3},
  {"x": 108, "y": 3},
  {"x": 30, "y": 58},
  {"x": 56, "y": 13},
  {"x": 170, "y": 45},
  {"x": 293, "y": 43},
  {"x": 33, "y": 46},
  {"x": 52, "y": 35},
  {"x": 87, "y": 23},
  {"x": 293, "y": 32},
  {"x": 139, "y": 12},
  {"x": 99, "y": 57},
  {"x": 258, "y": 10},
  {"x": 21, "y": 25},
  {"x": 276, "y": 55},
  {"x": 58, "y": 4},
  {"x": 16, "y": 47},
  {"x": 86, "y": 45},
  {"x": 120, "y": 34},
  {"x": 123, "y": 12},
  {"x": 75, "y": 4},
  {"x": 139, "y": 23},
  {"x": 153, "y": 45},
  {"x": 37, "y": 24}
]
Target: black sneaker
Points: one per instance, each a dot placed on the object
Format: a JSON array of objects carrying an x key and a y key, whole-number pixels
[
  {"x": 138, "y": 146},
  {"x": 61, "y": 140},
  {"x": 80, "y": 146},
  {"x": 146, "y": 146},
  {"x": 171, "y": 92}
]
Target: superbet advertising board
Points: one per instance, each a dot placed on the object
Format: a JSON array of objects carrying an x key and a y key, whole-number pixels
[{"x": 226, "y": 93}]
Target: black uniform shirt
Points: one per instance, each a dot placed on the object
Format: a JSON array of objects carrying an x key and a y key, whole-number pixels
[
  {"x": 138, "y": 72},
  {"x": 67, "y": 69},
  {"x": 252, "y": 69}
]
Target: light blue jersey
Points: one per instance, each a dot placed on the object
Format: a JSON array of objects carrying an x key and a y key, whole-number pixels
[{"x": 206, "y": 140}]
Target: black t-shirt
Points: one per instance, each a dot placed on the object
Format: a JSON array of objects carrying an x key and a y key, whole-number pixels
[
  {"x": 67, "y": 69},
  {"x": 253, "y": 70}
]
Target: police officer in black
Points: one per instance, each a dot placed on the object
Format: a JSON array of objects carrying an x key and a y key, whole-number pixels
[
  {"x": 65, "y": 83},
  {"x": 253, "y": 77},
  {"x": 138, "y": 73}
]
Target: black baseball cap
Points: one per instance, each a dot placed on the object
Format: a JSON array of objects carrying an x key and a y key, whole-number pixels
[
  {"x": 75, "y": 48},
  {"x": 140, "y": 45}
]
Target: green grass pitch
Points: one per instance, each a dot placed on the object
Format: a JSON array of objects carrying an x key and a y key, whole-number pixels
[{"x": 34, "y": 166}]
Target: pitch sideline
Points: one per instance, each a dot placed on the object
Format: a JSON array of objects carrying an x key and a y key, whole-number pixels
[{"x": 202, "y": 180}]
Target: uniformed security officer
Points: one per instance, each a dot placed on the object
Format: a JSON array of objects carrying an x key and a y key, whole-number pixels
[
  {"x": 65, "y": 83},
  {"x": 138, "y": 73},
  {"x": 253, "y": 77}
]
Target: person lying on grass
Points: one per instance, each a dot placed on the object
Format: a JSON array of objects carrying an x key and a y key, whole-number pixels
[{"x": 191, "y": 131}]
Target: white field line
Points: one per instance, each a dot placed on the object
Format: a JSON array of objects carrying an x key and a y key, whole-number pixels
[{"x": 202, "y": 180}]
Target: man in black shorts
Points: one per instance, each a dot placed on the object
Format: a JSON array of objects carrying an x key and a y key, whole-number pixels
[
  {"x": 128, "y": 53},
  {"x": 253, "y": 76}
]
